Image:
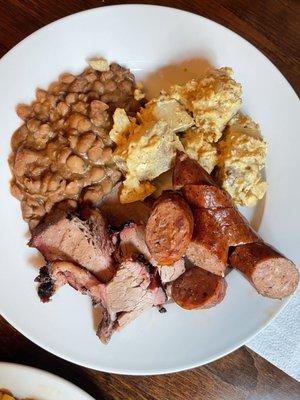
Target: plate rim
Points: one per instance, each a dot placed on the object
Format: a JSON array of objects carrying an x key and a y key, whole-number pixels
[
  {"x": 52, "y": 376},
  {"x": 132, "y": 5},
  {"x": 157, "y": 371},
  {"x": 190, "y": 365}
]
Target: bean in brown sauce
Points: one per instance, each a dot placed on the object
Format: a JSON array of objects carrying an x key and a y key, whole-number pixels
[{"x": 63, "y": 145}]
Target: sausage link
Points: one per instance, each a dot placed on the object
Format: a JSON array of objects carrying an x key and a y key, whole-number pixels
[
  {"x": 267, "y": 270},
  {"x": 188, "y": 172},
  {"x": 206, "y": 196},
  {"x": 233, "y": 226},
  {"x": 208, "y": 248}
]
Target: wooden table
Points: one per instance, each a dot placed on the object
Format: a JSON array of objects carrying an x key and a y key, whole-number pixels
[{"x": 273, "y": 27}]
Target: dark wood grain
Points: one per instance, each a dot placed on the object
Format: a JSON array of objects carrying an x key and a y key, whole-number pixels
[
  {"x": 273, "y": 27},
  {"x": 241, "y": 375}
]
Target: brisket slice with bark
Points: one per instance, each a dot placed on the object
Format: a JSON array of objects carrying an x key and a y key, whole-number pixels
[
  {"x": 133, "y": 290},
  {"x": 65, "y": 235}
]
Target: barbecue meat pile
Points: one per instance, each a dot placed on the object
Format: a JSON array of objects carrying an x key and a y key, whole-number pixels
[{"x": 112, "y": 266}]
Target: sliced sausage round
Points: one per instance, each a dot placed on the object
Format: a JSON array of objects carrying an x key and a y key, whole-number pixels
[
  {"x": 206, "y": 196},
  {"x": 169, "y": 228},
  {"x": 268, "y": 271},
  {"x": 187, "y": 172},
  {"x": 198, "y": 288}
]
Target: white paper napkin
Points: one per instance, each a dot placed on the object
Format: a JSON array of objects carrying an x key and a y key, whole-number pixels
[{"x": 279, "y": 343}]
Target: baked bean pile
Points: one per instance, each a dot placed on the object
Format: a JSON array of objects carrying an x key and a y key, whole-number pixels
[{"x": 63, "y": 151}]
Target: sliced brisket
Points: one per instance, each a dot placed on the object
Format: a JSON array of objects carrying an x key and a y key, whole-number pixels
[
  {"x": 133, "y": 290},
  {"x": 128, "y": 295},
  {"x": 56, "y": 274},
  {"x": 136, "y": 285},
  {"x": 63, "y": 235}
]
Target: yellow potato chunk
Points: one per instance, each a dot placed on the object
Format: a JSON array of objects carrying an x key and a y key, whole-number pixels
[
  {"x": 212, "y": 100},
  {"x": 133, "y": 190},
  {"x": 146, "y": 149},
  {"x": 199, "y": 149},
  {"x": 242, "y": 157},
  {"x": 168, "y": 110}
]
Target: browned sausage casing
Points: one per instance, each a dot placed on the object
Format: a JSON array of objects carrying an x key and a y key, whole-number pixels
[
  {"x": 270, "y": 272},
  {"x": 206, "y": 196},
  {"x": 219, "y": 225},
  {"x": 233, "y": 226},
  {"x": 214, "y": 231},
  {"x": 169, "y": 228},
  {"x": 208, "y": 248},
  {"x": 197, "y": 288},
  {"x": 187, "y": 172}
]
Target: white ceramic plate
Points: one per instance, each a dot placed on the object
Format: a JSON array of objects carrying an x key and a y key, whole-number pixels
[
  {"x": 28, "y": 382},
  {"x": 161, "y": 45}
]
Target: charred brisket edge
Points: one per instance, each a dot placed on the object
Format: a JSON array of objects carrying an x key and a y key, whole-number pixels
[
  {"x": 162, "y": 309},
  {"x": 46, "y": 285},
  {"x": 112, "y": 230}
]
